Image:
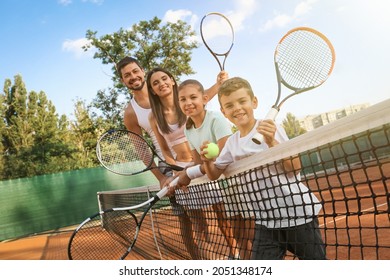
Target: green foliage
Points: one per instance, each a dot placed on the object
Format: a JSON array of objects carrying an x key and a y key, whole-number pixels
[
  {"x": 153, "y": 44},
  {"x": 168, "y": 46},
  {"x": 292, "y": 126},
  {"x": 85, "y": 133},
  {"x": 35, "y": 141}
]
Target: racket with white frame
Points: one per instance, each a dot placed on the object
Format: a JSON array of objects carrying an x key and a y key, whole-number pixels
[
  {"x": 217, "y": 35},
  {"x": 304, "y": 59},
  {"x": 127, "y": 153}
]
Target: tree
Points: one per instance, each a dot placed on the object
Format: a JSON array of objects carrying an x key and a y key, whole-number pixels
[
  {"x": 17, "y": 131},
  {"x": 2, "y": 129},
  {"x": 85, "y": 133},
  {"x": 32, "y": 143},
  {"x": 169, "y": 46},
  {"x": 109, "y": 104},
  {"x": 292, "y": 126}
]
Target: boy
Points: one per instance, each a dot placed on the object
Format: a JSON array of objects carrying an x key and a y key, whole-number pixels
[{"x": 286, "y": 210}]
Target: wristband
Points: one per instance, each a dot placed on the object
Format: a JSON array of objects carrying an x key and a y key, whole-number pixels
[{"x": 194, "y": 172}]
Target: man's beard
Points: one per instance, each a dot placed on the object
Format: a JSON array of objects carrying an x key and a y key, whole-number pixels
[{"x": 138, "y": 87}]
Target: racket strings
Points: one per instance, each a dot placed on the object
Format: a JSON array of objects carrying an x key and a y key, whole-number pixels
[
  {"x": 217, "y": 34},
  {"x": 105, "y": 237},
  {"x": 304, "y": 59},
  {"x": 124, "y": 153},
  {"x": 298, "y": 69}
]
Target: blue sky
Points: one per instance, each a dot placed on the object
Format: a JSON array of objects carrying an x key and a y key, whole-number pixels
[{"x": 41, "y": 40}]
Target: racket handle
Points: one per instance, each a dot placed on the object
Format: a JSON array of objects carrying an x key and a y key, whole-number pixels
[
  {"x": 163, "y": 192},
  {"x": 271, "y": 115},
  {"x": 174, "y": 182}
]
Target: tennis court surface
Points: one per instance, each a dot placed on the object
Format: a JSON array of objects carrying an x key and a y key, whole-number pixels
[{"x": 345, "y": 164}]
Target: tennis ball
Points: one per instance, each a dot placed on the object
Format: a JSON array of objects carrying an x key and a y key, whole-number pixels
[{"x": 212, "y": 150}]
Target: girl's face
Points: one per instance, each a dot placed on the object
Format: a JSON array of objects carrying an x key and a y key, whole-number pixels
[
  {"x": 191, "y": 100},
  {"x": 162, "y": 84}
]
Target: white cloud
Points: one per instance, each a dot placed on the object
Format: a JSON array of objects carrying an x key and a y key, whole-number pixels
[
  {"x": 243, "y": 10},
  {"x": 64, "y": 2},
  {"x": 281, "y": 20},
  {"x": 303, "y": 8},
  {"x": 184, "y": 15},
  {"x": 277, "y": 21},
  {"x": 75, "y": 47},
  {"x": 97, "y": 2}
]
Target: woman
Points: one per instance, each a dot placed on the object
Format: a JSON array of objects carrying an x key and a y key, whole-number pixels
[{"x": 166, "y": 119}]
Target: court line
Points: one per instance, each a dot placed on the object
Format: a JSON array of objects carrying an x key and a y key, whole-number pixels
[{"x": 345, "y": 216}]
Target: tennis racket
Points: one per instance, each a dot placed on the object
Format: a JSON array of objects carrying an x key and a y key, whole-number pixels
[
  {"x": 127, "y": 153},
  {"x": 218, "y": 36},
  {"x": 304, "y": 59},
  {"x": 110, "y": 234}
]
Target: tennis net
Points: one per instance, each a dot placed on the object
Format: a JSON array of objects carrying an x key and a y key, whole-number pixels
[{"x": 338, "y": 201}]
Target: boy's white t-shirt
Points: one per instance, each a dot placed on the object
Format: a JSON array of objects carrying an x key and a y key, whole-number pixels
[
  {"x": 237, "y": 147},
  {"x": 278, "y": 200}
]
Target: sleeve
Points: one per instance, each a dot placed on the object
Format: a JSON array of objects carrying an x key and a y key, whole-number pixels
[
  {"x": 220, "y": 126},
  {"x": 225, "y": 158}
]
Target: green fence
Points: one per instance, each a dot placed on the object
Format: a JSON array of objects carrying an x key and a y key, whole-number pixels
[
  {"x": 41, "y": 203},
  {"x": 362, "y": 147}
]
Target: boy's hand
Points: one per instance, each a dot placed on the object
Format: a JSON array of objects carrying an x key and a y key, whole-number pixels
[{"x": 268, "y": 129}]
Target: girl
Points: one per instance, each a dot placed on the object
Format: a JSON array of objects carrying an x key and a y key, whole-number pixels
[{"x": 209, "y": 126}]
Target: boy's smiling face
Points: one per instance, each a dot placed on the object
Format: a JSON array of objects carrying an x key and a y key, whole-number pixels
[{"x": 238, "y": 107}]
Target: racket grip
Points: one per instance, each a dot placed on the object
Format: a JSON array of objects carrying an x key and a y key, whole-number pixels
[
  {"x": 271, "y": 115},
  {"x": 163, "y": 192},
  {"x": 174, "y": 182}
]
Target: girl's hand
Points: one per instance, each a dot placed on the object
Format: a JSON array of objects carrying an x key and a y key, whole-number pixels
[
  {"x": 202, "y": 152},
  {"x": 222, "y": 76}
]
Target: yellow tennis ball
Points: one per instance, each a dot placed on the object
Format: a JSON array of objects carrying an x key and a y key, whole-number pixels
[{"x": 212, "y": 150}]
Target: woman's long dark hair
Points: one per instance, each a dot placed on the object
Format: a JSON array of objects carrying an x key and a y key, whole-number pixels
[{"x": 157, "y": 108}]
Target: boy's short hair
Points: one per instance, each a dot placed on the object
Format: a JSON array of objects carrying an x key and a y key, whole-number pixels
[
  {"x": 125, "y": 61},
  {"x": 233, "y": 84}
]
